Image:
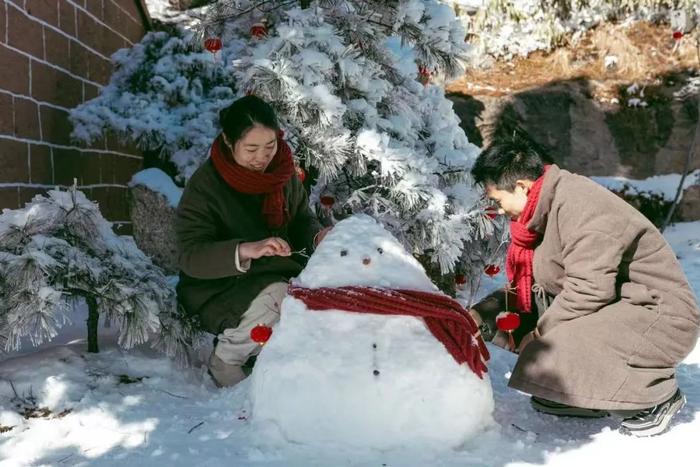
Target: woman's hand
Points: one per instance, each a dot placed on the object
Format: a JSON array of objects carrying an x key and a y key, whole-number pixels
[{"x": 273, "y": 246}]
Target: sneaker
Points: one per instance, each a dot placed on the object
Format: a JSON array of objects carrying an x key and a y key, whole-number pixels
[
  {"x": 224, "y": 374},
  {"x": 563, "y": 410},
  {"x": 654, "y": 420}
]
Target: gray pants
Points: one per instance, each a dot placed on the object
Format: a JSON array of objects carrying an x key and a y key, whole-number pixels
[{"x": 235, "y": 345}]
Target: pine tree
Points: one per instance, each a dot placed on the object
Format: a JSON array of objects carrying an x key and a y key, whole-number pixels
[
  {"x": 345, "y": 77},
  {"x": 59, "y": 249},
  {"x": 164, "y": 95},
  {"x": 351, "y": 82}
]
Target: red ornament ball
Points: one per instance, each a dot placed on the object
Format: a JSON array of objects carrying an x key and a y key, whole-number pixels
[
  {"x": 491, "y": 270},
  {"x": 327, "y": 201},
  {"x": 301, "y": 174},
  {"x": 508, "y": 321},
  {"x": 424, "y": 74},
  {"x": 460, "y": 279},
  {"x": 491, "y": 212},
  {"x": 261, "y": 334},
  {"x": 213, "y": 44},
  {"x": 258, "y": 30},
  {"x": 677, "y": 35}
]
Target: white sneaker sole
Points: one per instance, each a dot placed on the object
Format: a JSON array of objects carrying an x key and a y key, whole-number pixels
[{"x": 653, "y": 430}]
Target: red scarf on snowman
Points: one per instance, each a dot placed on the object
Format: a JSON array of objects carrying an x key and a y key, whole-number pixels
[{"x": 446, "y": 319}]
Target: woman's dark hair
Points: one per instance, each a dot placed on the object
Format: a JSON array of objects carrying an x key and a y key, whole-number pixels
[
  {"x": 244, "y": 114},
  {"x": 508, "y": 159}
]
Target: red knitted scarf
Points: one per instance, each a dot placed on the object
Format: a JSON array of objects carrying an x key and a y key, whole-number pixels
[
  {"x": 444, "y": 317},
  {"x": 522, "y": 249},
  {"x": 271, "y": 182}
]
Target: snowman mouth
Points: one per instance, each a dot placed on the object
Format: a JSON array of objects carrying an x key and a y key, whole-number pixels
[{"x": 366, "y": 260}]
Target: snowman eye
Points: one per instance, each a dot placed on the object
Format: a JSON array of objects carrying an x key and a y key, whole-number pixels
[
  {"x": 343, "y": 252},
  {"x": 380, "y": 251}
]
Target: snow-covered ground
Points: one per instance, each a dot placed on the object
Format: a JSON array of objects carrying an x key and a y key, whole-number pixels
[{"x": 118, "y": 408}]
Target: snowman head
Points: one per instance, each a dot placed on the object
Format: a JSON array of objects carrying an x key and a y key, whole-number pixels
[{"x": 360, "y": 252}]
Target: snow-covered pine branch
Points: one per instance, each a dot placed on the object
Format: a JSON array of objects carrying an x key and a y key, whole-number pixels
[
  {"x": 164, "y": 95},
  {"x": 508, "y": 28},
  {"x": 59, "y": 249}
]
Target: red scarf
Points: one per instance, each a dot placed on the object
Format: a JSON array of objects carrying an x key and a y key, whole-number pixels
[
  {"x": 445, "y": 318},
  {"x": 271, "y": 182},
  {"x": 522, "y": 249}
]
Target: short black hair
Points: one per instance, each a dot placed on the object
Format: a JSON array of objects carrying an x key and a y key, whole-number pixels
[
  {"x": 508, "y": 159},
  {"x": 245, "y": 113}
]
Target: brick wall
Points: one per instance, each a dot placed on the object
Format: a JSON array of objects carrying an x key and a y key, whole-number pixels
[{"x": 54, "y": 55}]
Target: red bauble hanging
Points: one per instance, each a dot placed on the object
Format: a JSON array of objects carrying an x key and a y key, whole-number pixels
[
  {"x": 508, "y": 322},
  {"x": 261, "y": 334},
  {"x": 258, "y": 30},
  {"x": 327, "y": 201},
  {"x": 460, "y": 279},
  {"x": 491, "y": 270},
  {"x": 491, "y": 212},
  {"x": 677, "y": 35},
  {"x": 301, "y": 174},
  {"x": 213, "y": 44},
  {"x": 424, "y": 75}
]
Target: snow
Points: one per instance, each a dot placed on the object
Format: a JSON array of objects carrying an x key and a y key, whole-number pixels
[
  {"x": 664, "y": 185},
  {"x": 518, "y": 27},
  {"x": 175, "y": 417},
  {"x": 365, "y": 380},
  {"x": 158, "y": 181}
]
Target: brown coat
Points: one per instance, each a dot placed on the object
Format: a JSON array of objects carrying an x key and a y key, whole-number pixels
[
  {"x": 623, "y": 315},
  {"x": 212, "y": 219}
]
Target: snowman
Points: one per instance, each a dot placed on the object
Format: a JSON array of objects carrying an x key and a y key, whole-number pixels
[{"x": 369, "y": 353}]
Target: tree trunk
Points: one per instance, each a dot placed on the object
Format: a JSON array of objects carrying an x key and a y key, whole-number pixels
[{"x": 92, "y": 321}]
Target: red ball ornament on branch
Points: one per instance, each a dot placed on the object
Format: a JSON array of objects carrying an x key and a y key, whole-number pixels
[
  {"x": 491, "y": 270},
  {"x": 424, "y": 75},
  {"x": 258, "y": 30},
  {"x": 301, "y": 174},
  {"x": 260, "y": 334},
  {"x": 327, "y": 201},
  {"x": 460, "y": 279},
  {"x": 213, "y": 44},
  {"x": 677, "y": 35}
]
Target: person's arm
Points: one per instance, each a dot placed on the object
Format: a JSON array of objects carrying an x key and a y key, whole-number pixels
[
  {"x": 200, "y": 253},
  {"x": 591, "y": 261}
]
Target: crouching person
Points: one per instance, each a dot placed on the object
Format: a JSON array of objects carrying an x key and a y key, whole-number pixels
[
  {"x": 244, "y": 228},
  {"x": 607, "y": 311}
]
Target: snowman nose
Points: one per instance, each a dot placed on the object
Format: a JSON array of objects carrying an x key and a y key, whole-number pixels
[{"x": 366, "y": 260}]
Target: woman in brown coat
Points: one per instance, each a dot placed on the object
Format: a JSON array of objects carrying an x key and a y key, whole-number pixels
[
  {"x": 244, "y": 228},
  {"x": 613, "y": 313}
]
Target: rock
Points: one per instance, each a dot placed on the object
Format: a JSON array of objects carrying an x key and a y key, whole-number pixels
[
  {"x": 586, "y": 136},
  {"x": 153, "y": 219},
  {"x": 689, "y": 206}
]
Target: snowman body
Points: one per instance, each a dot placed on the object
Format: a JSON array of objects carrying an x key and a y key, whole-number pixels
[{"x": 365, "y": 379}]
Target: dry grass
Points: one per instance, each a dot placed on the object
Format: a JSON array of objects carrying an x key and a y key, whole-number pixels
[{"x": 643, "y": 53}]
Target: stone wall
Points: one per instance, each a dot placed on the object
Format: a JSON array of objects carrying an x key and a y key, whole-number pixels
[
  {"x": 55, "y": 55},
  {"x": 586, "y": 136}
]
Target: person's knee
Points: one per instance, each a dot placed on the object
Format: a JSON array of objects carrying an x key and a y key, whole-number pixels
[{"x": 277, "y": 291}]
